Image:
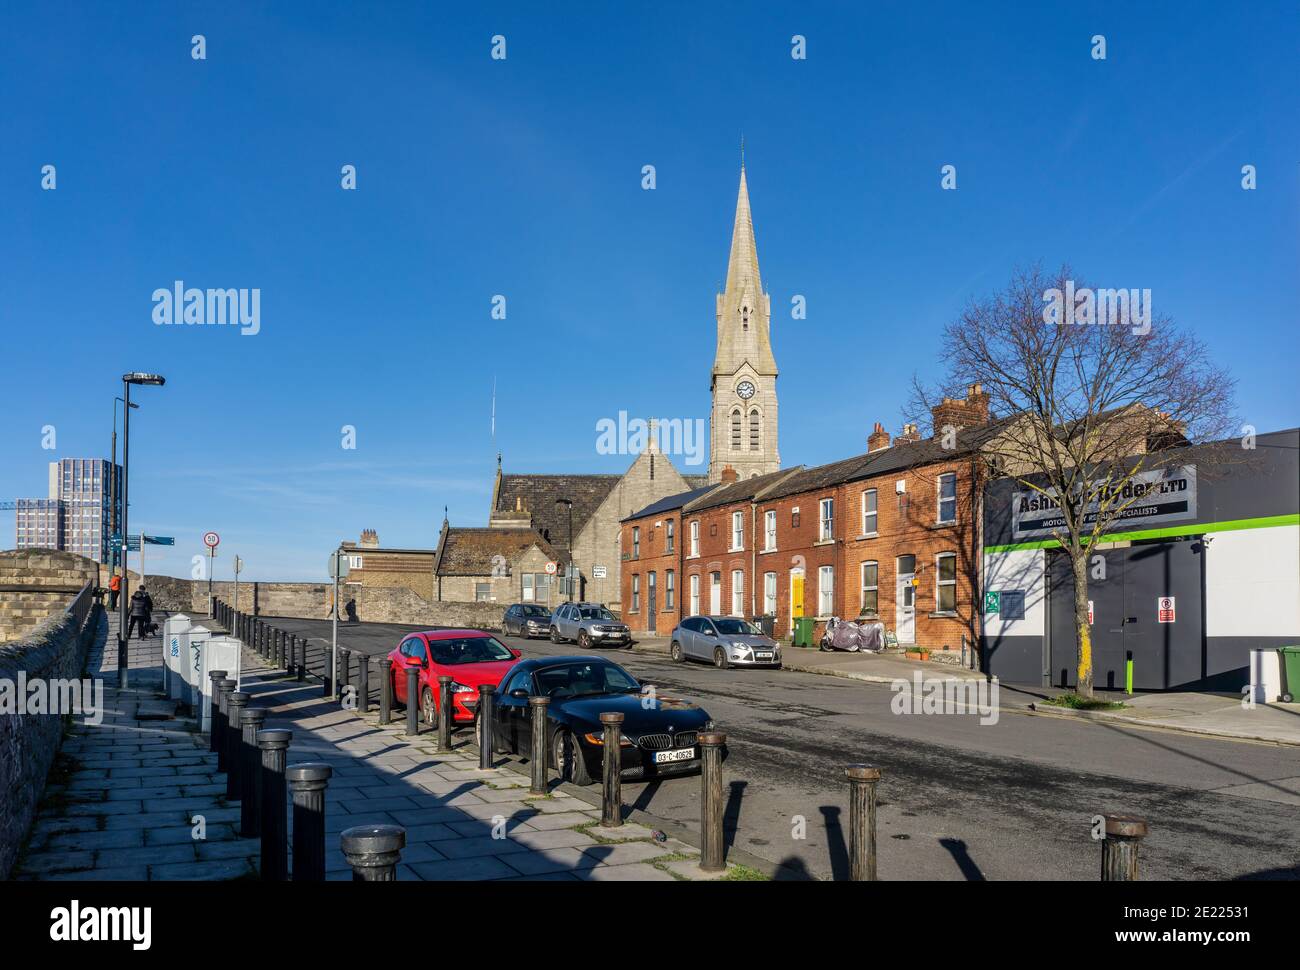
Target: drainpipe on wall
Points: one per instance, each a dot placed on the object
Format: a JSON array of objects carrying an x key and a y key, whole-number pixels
[{"x": 753, "y": 558}]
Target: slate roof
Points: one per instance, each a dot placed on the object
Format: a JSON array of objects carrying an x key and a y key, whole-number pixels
[
  {"x": 540, "y": 492},
  {"x": 471, "y": 551},
  {"x": 670, "y": 502},
  {"x": 739, "y": 491},
  {"x": 928, "y": 450}
]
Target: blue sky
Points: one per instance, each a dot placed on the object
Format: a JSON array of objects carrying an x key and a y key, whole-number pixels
[{"x": 522, "y": 177}]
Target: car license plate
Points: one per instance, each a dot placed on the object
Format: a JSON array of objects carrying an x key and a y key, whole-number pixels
[
  {"x": 682, "y": 754},
  {"x": 763, "y": 656}
]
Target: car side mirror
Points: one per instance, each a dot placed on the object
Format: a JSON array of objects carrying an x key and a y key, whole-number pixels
[
  {"x": 519, "y": 693},
  {"x": 516, "y": 653}
]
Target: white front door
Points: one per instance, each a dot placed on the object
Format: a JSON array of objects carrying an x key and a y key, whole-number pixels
[
  {"x": 715, "y": 594},
  {"x": 905, "y": 602}
]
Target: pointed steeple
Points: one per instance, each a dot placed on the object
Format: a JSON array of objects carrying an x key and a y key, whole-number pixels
[{"x": 742, "y": 267}]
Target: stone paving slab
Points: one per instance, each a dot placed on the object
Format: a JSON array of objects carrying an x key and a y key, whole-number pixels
[{"x": 126, "y": 809}]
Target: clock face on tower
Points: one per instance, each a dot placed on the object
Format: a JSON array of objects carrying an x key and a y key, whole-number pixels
[{"x": 745, "y": 390}]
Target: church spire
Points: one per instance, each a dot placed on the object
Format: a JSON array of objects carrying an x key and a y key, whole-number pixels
[{"x": 742, "y": 267}]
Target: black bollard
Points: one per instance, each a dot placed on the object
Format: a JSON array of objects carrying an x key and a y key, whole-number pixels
[
  {"x": 363, "y": 683},
  {"x": 485, "y": 692},
  {"x": 327, "y": 673},
  {"x": 444, "y": 712},
  {"x": 307, "y": 782},
  {"x": 302, "y": 659},
  {"x": 611, "y": 804},
  {"x": 250, "y": 795},
  {"x": 274, "y": 745},
  {"x": 385, "y": 689},
  {"x": 224, "y": 688},
  {"x": 345, "y": 670},
  {"x": 293, "y": 656},
  {"x": 214, "y": 678},
  {"x": 412, "y": 701},
  {"x": 373, "y": 851},
  {"x": 711, "y": 847},
  {"x": 262, "y": 635},
  {"x": 862, "y": 822},
  {"x": 1119, "y": 850},
  {"x": 537, "y": 707},
  {"x": 236, "y": 703}
]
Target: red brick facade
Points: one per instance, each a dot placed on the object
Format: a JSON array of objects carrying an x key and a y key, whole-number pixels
[{"x": 652, "y": 569}]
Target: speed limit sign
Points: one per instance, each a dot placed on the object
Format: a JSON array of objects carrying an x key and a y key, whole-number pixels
[
  {"x": 211, "y": 540},
  {"x": 552, "y": 568}
]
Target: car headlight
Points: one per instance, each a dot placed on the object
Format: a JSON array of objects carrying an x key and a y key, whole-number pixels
[
  {"x": 597, "y": 629},
  {"x": 457, "y": 688},
  {"x": 744, "y": 647},
  {"x": 598, "y": 737}
]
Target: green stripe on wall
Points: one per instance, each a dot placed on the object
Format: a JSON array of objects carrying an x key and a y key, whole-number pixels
[{"x": 1232, "y": 525}]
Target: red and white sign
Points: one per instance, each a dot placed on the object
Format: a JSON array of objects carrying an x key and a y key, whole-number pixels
[
  {"x": 1165, "y": 609},
  {"x": 211, "y": 540},
  {"x": 1089, "y": 612},
  {"x": 552, "y": 568}
]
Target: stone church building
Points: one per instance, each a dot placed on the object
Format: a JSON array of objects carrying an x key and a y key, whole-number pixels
[{"x": 538, "y": 519}]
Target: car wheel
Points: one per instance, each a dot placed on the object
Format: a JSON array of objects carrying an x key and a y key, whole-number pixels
[
  {"x": 584, "y": 640},
  {"x": 555, "y": 636},
  {"x": 720, "y": 658},
  {"x": 429, "y": 708},
  {"x": 569, "y": 763},
  {"x": 675, "y": 651}
]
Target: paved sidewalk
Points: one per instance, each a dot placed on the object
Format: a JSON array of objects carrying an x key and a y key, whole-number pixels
[{"x": 125, "y": 791}]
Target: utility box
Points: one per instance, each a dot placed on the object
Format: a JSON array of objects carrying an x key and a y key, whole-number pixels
[
  {"x": 1265, "y": 675},
  {"x": 191, "y": 640},
  {"x": 175, "y": 655},
  {"x": 215, "y": 653}
]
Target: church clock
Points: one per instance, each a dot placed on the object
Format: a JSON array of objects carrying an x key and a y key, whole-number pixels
[{"x": 745, "y": 390}]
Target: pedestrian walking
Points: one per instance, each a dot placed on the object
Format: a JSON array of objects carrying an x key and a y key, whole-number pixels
[
  {"x": 114, "y": 590},
  {"x": 351, "y": 609},
  {"x": 141, "y": 615}
]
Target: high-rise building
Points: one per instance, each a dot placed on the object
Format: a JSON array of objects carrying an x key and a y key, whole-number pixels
[{"x": 76, "y": 516}]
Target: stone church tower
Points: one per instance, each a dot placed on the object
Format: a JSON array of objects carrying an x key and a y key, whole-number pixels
[{"x": 744, "y": 417}]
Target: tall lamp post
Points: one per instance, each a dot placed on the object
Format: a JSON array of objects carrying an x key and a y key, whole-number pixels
[
  {"x": 568, "y": 567},
  {"x": 127, "y": 380},
  {"x": 112, "y": 495}
]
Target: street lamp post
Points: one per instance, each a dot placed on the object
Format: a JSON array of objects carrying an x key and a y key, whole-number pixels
[
  {"x": 112, "y": 495},
  {"x": 127, "y": 380},
  {"x": 568, "y": 567}
]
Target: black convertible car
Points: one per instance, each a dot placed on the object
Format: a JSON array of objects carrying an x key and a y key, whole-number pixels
[{"x": 659, "y": 733}]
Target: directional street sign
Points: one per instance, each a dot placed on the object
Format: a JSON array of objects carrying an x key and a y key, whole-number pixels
[{"x": 160, "y": 540}]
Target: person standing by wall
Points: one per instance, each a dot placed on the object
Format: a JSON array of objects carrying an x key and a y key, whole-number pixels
[{"x": 141, "y": 613}]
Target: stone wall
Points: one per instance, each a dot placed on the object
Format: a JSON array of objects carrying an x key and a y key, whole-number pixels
[
  {"x": 34, "y": 583},
  {"x": 54, "y": 649}
]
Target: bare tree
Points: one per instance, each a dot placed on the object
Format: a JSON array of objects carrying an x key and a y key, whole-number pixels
[{"x": 1096, "y": 390}]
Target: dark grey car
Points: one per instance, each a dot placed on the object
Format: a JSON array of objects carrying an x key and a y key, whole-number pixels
[
  {"x": 526, "y": 620},
  {"x": 723, "y": 641}
]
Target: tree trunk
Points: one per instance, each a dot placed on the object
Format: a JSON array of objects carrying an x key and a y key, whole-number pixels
[{"x": 1079, "y": 563}]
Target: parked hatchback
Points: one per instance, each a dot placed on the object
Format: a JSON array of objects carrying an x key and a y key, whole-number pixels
[
  {"x": 723, "y": 641},
  {"x": 470, "y": 657},
  {"x": 526, "y": 620},
  {"x": 590, "y": 624}
]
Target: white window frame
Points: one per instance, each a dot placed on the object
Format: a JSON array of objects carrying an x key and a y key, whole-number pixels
[
  {"x": 940, "y": 582},
  {"x": 669, "y": 588},
  {"x": 866, "y": 587},
  {"x": 826, "y": 519},
  {"x": 870, "y": 528},
  {"x": 737, "y": 532},
  {"x": 769, "y": 530},
  {"x": 694, "y": 585},
  {"x": 636, "y": 592},
  {"x": 825, "y": 590},
  {"x": 636, "y": 542},
  {"x": 738, "y": 592},
  {"x": 938, "y": 512},
  {"x": 769, "y": 594},
  {"x": 669, "y": 535},
  {"x": 695, "y": 539}
]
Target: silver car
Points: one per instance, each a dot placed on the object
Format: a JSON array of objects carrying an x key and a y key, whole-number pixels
[
  {"x": 724, "y": 641},
  {"x": 588, "y": 624}
]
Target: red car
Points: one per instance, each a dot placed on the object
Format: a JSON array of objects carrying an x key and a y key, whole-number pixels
[{"x": 469, "y": 657}]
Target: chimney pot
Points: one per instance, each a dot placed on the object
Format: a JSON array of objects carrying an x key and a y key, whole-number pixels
[{"x": 729, "y": 475}]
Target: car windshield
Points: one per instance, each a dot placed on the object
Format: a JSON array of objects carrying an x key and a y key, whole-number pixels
[
  {"x": 584, "y": 679},
  {"x": 596, "y": 613},
  {"x": 536, "y": 611},
  {"x": 734, "y": 627},
  {"x": 468, "y": 650}
]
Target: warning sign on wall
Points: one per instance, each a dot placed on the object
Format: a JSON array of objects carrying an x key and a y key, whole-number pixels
[
  {"x": 1089, "y": 612},
  {"x": 1165, "y": 609}
]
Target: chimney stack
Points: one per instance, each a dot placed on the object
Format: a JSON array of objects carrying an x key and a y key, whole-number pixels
[
  {"x": 909, "y": 433},
  {"x": 878, "y": 439},
  {"x": 968, "y": 412},
  {"x": 369, "y": 539},
  {"x": 729, "y": 475}
]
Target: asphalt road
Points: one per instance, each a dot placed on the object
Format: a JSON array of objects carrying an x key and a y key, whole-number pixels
[{"x": 958, "y": 800}]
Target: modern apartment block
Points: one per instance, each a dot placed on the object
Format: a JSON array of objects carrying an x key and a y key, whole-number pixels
[{"x": 76, "y": 515}]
